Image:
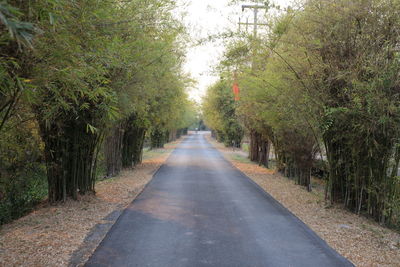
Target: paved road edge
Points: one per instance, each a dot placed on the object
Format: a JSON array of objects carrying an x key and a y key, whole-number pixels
[
  {"x": 101, "y": 229},
  {"x": 315, "y": 237}
]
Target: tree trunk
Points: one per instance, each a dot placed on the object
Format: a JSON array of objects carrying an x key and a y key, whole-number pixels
[
  {"x": 113, "y": 150},
  {"x": 254, "y": 148},
  {"x": 264, "y": 153},
  {"x": 71, "y": 156},
  {"x": 133, "y": 141},
  {"x": 157, "y": 138},
  {"x": 172, "y": 135}
]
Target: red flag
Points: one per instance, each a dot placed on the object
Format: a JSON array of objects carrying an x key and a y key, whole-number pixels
[{"x": 236, "y": 91}]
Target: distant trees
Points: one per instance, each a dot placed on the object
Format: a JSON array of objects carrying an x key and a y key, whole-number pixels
[
  {"x": 96, "y": 77},
  {"x": 219, "y": 114},
  {"x": 326, "y": 84}
]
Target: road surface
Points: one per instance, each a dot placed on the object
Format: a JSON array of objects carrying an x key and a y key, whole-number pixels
[{"x": 200, "y": 211}]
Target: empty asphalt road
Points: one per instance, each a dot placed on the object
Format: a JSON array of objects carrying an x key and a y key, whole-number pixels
[{"x": 200, "y": 211}]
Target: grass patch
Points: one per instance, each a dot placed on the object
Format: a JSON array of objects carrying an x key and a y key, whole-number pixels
[
  {"x": 151, "y": 153},
  {"x": 245, "y": 147},
  {"x": 241, "y": 158}
]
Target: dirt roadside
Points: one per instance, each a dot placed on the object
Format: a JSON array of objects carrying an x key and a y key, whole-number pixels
[
  {"x": 67, "y": 234},
  {"x": 359, "y": 239}
]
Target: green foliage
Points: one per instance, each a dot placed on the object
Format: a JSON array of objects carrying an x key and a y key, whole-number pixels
[
  {"x": 23, "y": 182},
  {"x": 324, "y": 81},
  {"x": 14, "y": 34},
  {"x": 22, "y": 178},
  {"x": 20, "y": 31},
  {"x": 21, "y": 193},
  {"x": 97, "y": 69},
  {"x": 351, "y": 78},
  {"x": 219, "y": 113}
]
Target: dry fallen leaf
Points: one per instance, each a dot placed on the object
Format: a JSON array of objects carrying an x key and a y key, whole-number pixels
[{"x": 49, "y": 235}]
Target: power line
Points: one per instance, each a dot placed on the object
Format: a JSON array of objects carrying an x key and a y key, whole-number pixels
[{"x": 255, "y": 9}]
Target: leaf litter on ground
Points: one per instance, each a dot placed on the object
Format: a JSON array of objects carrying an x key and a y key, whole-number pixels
[{"x": 50, "y": 234}]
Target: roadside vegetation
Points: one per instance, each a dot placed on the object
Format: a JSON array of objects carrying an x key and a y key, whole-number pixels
[
  {"x": 320, "y": 87},
  {"x": 361, "y": 240},
  {"x": 84, "y": 86},
  {"x": 67, "y": 233}
]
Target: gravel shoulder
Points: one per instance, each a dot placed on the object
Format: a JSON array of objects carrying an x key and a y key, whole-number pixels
[
  {"x": 67, "y": 234},
  {"x": 357, "y": 238}
]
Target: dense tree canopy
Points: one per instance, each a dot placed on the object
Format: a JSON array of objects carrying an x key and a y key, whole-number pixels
[
  {"x": 219, "y": 113},
  {"x": 76, "y": 73},
  {"x": 322, "y": 87}
]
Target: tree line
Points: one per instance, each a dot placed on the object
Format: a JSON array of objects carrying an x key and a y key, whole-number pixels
[
  {"x": 85, "y": 83},
  {"x": 321, "y": 87}
]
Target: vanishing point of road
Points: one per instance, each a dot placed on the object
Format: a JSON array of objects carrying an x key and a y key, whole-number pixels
[{"x": 199, "y": 210}]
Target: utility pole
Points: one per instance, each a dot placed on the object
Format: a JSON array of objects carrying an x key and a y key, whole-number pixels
[
  {"x": 254, "y": 24},
  {"x": 255, "y": 12},
  {"x": 255, "y": 9}
]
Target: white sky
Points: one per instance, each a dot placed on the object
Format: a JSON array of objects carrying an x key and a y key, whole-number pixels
[{"x": 210, "y": 17}]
